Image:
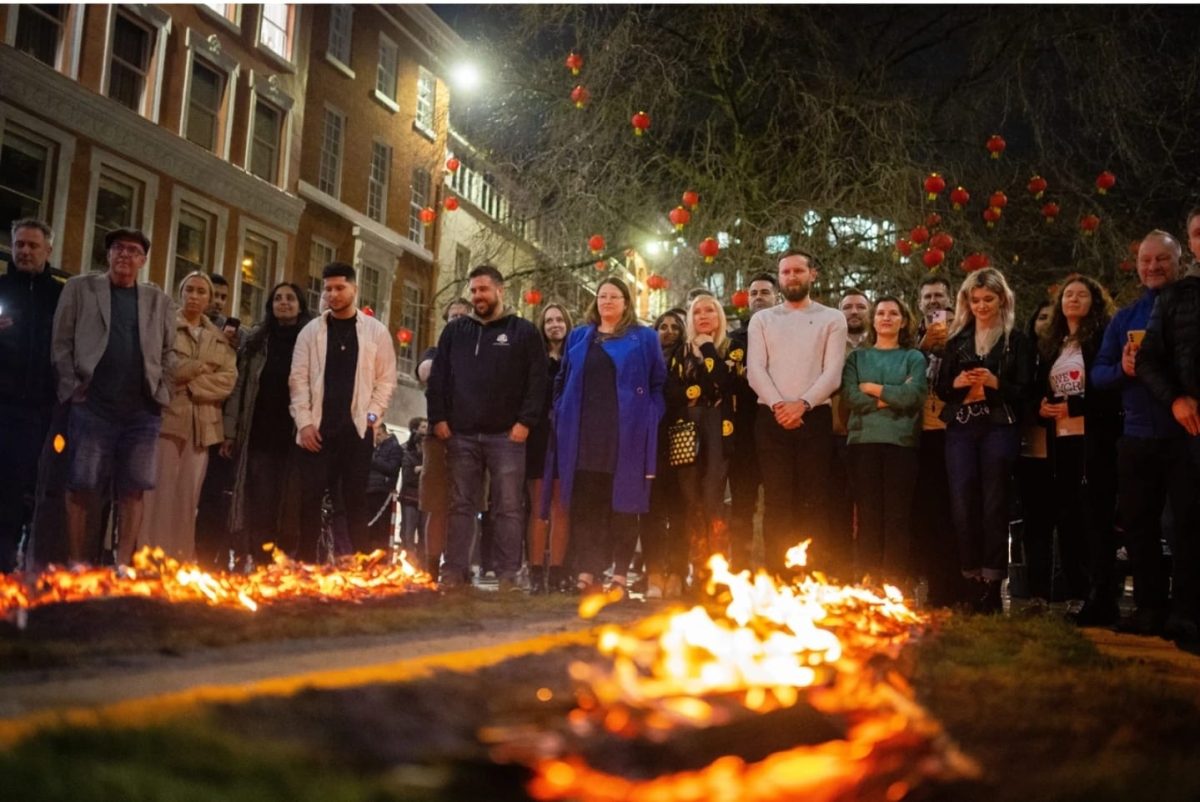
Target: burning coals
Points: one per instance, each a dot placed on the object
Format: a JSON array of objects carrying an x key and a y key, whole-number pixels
[
  {"x": 154, "y": 575},
  {"x": 768, "y": 692}
]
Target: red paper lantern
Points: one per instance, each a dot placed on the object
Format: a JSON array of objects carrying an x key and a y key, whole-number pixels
[
  {"x": 452, "y": 164},
  {"x": 405, "y": 337},
  {"x": 533, "y": 297},
  {"x": 428, "y": 215},
  {"x": 596, "y": 244},
  {"x": 933, "y": 220},
  {"x": 679, "y": 216},
  {"x": 709, "y": 248},
  {"x": 450, "y": 204},
  {"x": 580, "y": 96},
  {"x": 656, "y": 282},
  {"x": 934, "y": 184},
  {"x": 998, "y": 200},
  {"x": 741, "y": 299},
  {"x": 933, "y": 257},
  {"x": 1105, "y": 181},
  {"x": 992, "y": 215},
  {"x": 601, "y": 264},
  {"x": 574, "y": 63},
  {"x": 1128, "y": 265},
  {"x": 1050, "y": 211},
  {"x": 960, "y": 198},
  {"x": 975, "y": 261},
  {"x": 691, "y": 199},
  {"x": 996, "y": 145},
  {"x": 641, "y": 123},
  {"x": 919, "y": 235},
  {"x": 1088, "y": 224},
  {"x": 942, "y": 241},
  {"x": 904, "y": 246},
  {"x": 368, "y": 311},
  {"x": 1037, "y": 187}
]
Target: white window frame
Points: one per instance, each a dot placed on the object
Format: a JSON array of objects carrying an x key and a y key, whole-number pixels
[
  {"x": 64, "y": 157},
  {"x": 368, "y": 250},
  {"x": 268, "y": 87},
  {"x": 181, "y": 196},
  {"x": 343, "y": 64},
  {"x": 310, "y": 275},
  {"x": 406, "y": 358},
  {"x": 279, "y": 239},
  {"x": 390, "y": 81},
  {"x": 158, "y": 20},
  {"x": 67, "y": 58},
  {"x": 231, "y": 18},
  {"x": 288, "y": 61},
  {"x": 324, "y": 153},
  {"x": 377, "y": 185},
  {"x": 210, "y": 50},
  {"x": 102, "y": 160},
  {"x": 430, "y": 128}
]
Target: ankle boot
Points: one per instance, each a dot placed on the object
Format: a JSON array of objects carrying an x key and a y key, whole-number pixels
[
  {"x": 557, "y": 580},
  {"x": 537, "y": 579}
]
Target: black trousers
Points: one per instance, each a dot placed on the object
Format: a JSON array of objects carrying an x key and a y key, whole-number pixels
[
  {"x": 343, "y": 462},
  {"x": 795, "y": 471},
  {"x": 744, "y": 481},
  {"x": 935, "y": 548},
  {"x": 603, "y": 535},
  {"x": 1035, "y": 484},
  {"x": 883, "y": 479},
  {"x": 1085, "y": 497},
  {"x": 702, "y": 485},
  {"x": 22, "y": 432},
  {"x": 1148, "y": 476},
  {"x": 663, "y": 533}
]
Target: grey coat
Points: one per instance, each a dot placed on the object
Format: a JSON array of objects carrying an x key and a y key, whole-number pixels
[{"x": 81, "y": 326}]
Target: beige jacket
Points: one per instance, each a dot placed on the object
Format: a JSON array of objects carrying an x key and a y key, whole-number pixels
[
  {"x": 205, "y": 373},
  {"x": 374, "y": 380}
]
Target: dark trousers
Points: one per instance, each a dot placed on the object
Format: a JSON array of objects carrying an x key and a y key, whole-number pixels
[
  {"x": 1147, "y": 476},
  {"x": 979, "y": 460},
  {"x": 1185, "y": 547},
  {"x": 266, "y": 478},
  {"x": 213, "y": 539},
  {"x": 664, "y": 544},
  {"x": 1085, "y": 497},
  {"x": 935, "y": 547},
  {"x": 23, "y": 430},
  {"x": 380, "y": 532},
  {"x": 702, "y": 485},
  {"x": 469, "y": 459},
  {"x": 1035, "y": 483},
  {"x": 883, "y": 479},
  {"x": 602, "y": 535},
  {"x": 342, "y": 466},
  {"x": 842, "y": 501},
  {"x": 744, "y": 481},
  {"x": 795, "y": 466}
]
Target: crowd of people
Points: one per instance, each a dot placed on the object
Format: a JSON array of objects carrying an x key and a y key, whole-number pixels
[{"x": 904, "y": 443}]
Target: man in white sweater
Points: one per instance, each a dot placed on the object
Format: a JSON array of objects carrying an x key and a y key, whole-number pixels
[{"x": 794, "y": 363}]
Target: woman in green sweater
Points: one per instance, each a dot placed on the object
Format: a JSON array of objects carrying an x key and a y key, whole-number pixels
[{"x": 885, "y": 387}]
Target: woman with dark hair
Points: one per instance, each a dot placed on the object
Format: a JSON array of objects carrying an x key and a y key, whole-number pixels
[
  {"x": 1082, "y": 426},
  {"x": 608, "y": 401},
  {"x": 554, "y": 323},
  {"x": 664, "y": 545},
  {"x": 259, "y": 430},
  {"x": 983, "y": 380},
  {"x": 885, "y": 387},
  {"x": 1034, "y": 486}
]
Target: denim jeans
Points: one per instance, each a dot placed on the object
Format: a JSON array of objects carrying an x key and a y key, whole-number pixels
[
  {"x": 471, "y": 457},
  {"x": 979, "y": 460}
]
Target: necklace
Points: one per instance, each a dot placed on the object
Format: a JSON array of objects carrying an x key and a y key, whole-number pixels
[{"x": 342, "y": 337}]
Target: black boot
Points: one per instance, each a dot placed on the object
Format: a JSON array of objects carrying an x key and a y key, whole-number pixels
[
  {"x": 989, "y": 600},
  {"x": 537, "y": 579},
  {"x": 557, "y": 580}
]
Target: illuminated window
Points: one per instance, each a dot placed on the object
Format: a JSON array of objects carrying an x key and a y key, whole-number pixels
[{"x": 275, "y": 31}]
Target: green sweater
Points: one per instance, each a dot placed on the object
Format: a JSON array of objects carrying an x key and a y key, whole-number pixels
[{"x": 901, "y": 371}]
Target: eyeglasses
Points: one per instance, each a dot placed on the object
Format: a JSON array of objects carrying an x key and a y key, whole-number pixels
[{"x": 131, "y": 250}]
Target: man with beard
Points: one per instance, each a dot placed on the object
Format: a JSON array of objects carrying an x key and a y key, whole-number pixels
[
  {"x": 486, "y": 391},
  {"x": 794, "y": 362},
  {"x": 744, "y": 477},
  {"x": 857, "y": 310}
]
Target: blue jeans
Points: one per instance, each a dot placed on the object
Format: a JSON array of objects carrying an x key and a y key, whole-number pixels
[
  {"x": 979, "y": 460},
  {"x": 469, "y": 457}
]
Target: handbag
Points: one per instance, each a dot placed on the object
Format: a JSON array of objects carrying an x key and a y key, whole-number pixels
[{"x": 683, "y": 443}]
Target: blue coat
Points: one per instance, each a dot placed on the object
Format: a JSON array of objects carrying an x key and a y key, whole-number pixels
[{"x": 641, "y": 374}]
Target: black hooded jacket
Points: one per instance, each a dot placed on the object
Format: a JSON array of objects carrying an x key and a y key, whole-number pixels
[{"x": 30, "y": 299}]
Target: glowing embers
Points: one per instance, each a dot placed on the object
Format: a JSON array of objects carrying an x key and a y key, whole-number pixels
[
  {"x": 770, "y": 691},
  {"x": 154, "y": 575}
]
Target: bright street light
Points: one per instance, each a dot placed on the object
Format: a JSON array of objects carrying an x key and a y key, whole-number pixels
[{"x": 465, "y": 77}]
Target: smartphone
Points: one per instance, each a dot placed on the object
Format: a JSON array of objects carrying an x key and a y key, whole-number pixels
[
  {"x": 232, "y": 324},
  {"x": 970, "y": 364},
  {"x": 1058, "y": 399},
  {"x": 1136, "y": 336},
  {"x": 937, "y": 316}
]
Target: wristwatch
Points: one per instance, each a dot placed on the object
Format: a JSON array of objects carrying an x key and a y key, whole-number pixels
[
  {"x": 807, "y": 406},
  {"x": 372, "y": 418}
]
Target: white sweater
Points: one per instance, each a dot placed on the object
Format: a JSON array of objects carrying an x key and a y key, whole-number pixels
[{"x": 796, "y": 354}]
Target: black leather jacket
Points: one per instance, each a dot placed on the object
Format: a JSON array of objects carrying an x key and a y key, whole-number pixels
[
  {"x": 1011, "y": 360},
  {"x": 1169, "y": 359}
]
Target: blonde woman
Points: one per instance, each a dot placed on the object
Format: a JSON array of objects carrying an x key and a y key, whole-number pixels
[
  {"x": 205, "y": 374},
  {"x": 983, "y": 379}
]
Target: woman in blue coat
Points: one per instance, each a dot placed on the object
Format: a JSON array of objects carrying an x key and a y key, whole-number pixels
[{"x": 608, "y": 401}]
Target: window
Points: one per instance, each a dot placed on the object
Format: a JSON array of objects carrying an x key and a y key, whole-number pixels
[
  {"x": 193, "y": 242},
  {"x": 412, "y": 317},
  {"x": 341, "y": 26},
  {"x": 118, "y": 205},
  {"x": 130, "y": 62},
  {"x": 368, "y": 287},
  {"x": 40, "y": 31},
  {"x": 275, "y": 32},
  {"x": 462, "y": 262},
  {"x": 377, "y": 182},
  {"x": 385, "y": 76},
  {"x": 204, "y": 105},
  {"x": 329, "y": 175},
  {"x": 426, "y": 97},
  {"x": 319, "y": 255},
  {"x": 25, "y": 180},
  {"x": 264, "y": 147},
  {"x": 258, "y": 265},
  {"x": 224, "y": 10},
  {"x": 420, "y": 195}
]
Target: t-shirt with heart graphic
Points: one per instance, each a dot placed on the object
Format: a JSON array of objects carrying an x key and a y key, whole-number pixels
[{"x": 1067, "y": 374}]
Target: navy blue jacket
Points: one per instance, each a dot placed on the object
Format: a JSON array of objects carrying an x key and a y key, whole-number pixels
[
  {"x": 1145, "y": 415},
  {"x": 26, "y": 371},
  {"x": 488, "y": 376}
]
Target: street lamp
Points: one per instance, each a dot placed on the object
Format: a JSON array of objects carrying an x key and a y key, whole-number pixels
[{"x": 465, "y": 77}]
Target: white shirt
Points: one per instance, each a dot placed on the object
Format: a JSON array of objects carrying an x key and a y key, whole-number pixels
[{"x": 1067, "y": 376}]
